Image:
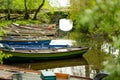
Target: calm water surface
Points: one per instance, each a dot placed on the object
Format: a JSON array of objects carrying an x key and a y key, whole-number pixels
[{"x": 87, "y": 66}]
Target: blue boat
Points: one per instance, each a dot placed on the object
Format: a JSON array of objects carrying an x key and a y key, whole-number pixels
[
  {"x": 35, "y": 45},
  {"x": 26, "y": 44}
]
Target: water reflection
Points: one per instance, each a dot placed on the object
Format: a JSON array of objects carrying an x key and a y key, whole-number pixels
[
  {"x": 110, "y": 49},
  {"x": 82, "y": 70},
  {"x": 52, "y": 64},
  {"x": 75, "y": 70},
  {"x": 76, "y": 66},
  {"x": 87, "y": 66}
]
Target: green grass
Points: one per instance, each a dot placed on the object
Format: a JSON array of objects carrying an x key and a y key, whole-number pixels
[
  {"x": 5, "y": 22},
  {"x": 8, "y": 22},
  {"x": 27, "y": 22}
]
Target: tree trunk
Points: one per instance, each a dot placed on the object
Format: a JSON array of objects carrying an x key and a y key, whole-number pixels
[
  {"x": 8, "y": 9},
  {"x": 41, "y": 5},
  {"x": 26, "y": 11}
]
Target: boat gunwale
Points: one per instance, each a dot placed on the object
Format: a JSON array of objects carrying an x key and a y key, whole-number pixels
[{"x": 53, "y": 51}]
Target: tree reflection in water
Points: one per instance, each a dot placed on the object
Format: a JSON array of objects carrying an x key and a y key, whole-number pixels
[
  {"x": 73, "y": 70},
  {"x": 87, "y": 66}
]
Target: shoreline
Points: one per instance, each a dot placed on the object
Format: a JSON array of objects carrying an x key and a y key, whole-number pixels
[{"x": 12, "y": 68}]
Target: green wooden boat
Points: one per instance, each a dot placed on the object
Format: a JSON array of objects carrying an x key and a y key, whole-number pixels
[{"x": 45, "y": 54}]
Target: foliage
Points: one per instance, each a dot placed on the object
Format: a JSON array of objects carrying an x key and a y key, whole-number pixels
[
  {"x": 112, "y": 64},
  {"x": 26, "y": 7},
  {"x": 99, "y": 17},
  {"x": 2, "y": 55},
  {"x": 19, "y": 4},
  {"x": 43, "y": 17}
]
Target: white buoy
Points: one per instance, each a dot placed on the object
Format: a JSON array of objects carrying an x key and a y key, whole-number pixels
[{"x": 65, "y": 24}]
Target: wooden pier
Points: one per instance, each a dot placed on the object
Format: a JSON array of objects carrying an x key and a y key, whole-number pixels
[{"x": 28, "y": 74}]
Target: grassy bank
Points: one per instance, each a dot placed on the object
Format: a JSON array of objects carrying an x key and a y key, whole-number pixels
[{"x": 8, "y": 22}]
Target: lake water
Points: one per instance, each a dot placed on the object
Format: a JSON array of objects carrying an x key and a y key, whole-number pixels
[{"x": 87, "y": 66}]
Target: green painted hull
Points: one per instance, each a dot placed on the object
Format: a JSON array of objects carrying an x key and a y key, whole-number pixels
[{"x": 43, "y": 56}]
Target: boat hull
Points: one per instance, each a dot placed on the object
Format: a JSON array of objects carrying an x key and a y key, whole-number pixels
[{"x": 29, "y": 57}]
